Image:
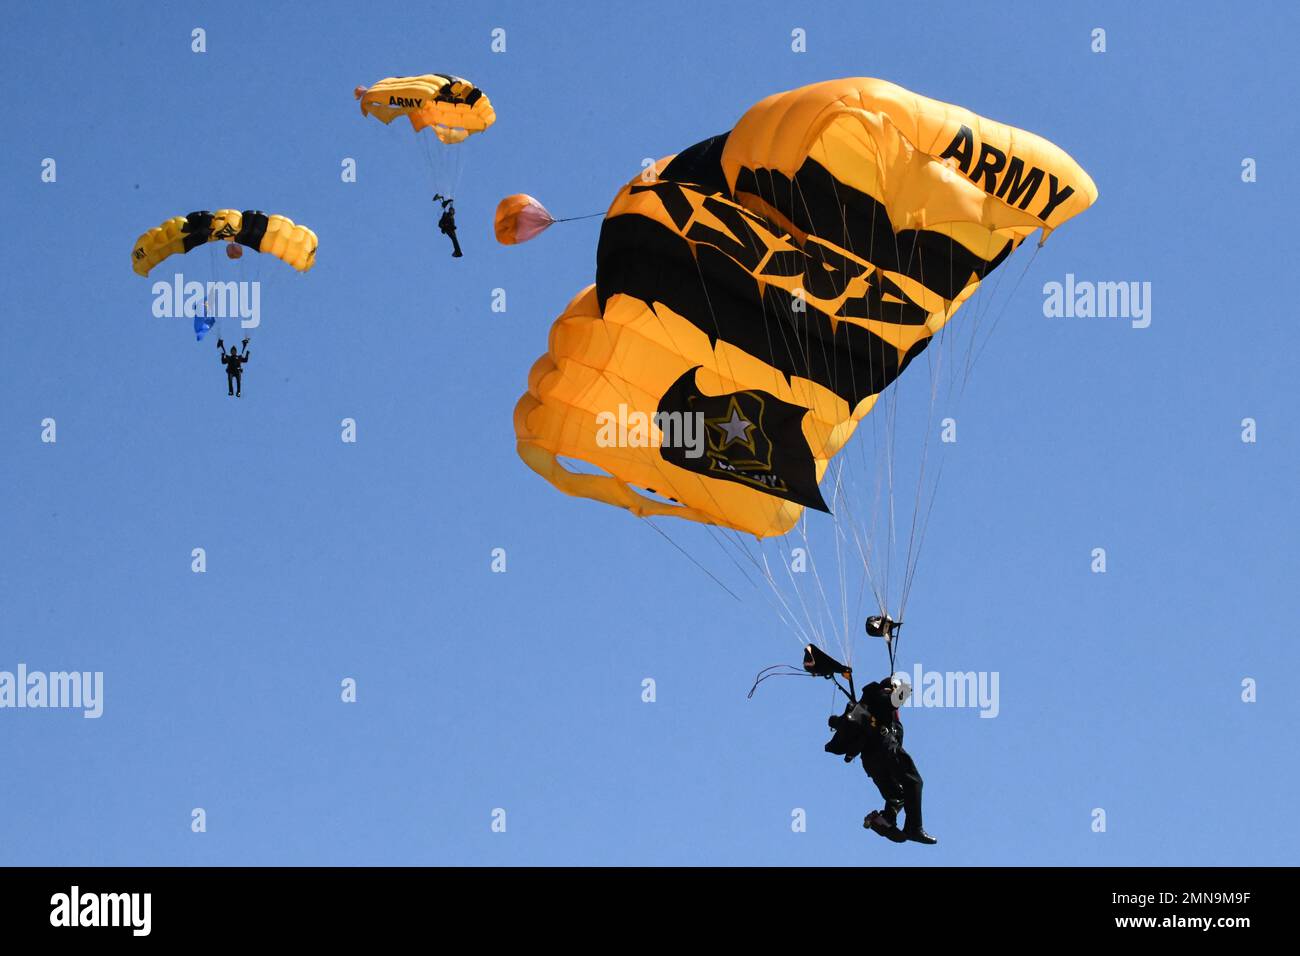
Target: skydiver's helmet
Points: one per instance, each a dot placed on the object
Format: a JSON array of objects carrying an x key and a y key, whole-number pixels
[{"x": 899, "y": 689}]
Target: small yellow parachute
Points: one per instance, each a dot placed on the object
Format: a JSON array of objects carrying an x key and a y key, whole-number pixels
[
  {"x": 273, "y": 235},
  {"x": 455, "y": 108},
  {"x": 770, "y": 283}
]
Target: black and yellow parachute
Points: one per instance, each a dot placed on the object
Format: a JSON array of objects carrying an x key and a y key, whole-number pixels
[
  {"x": 269, "y": 234},
  {"x": 772, "y": 281},
  {"x": 454, "y": 108}
]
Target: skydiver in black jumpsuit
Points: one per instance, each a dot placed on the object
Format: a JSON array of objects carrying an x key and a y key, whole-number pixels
[
  {"x": 447, "y": 223},
  {"x": 234, "y": 363},
  {"x": 871, "y": 727}
]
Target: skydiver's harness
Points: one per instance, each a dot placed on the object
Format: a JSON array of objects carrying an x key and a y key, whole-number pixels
[
  {"x": 856, "y": 725},
  {"x": 447, "y": 221},
  {"x": 233, "y": 368}
]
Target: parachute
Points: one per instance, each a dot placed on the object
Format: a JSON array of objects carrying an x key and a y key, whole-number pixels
[
  {"x": 519, "y": 218},
  {"x": 759, "y": 292},
  {"x": 273, "y": 235},
  {"x": 451, "y": 108},
  {"x": 215, "y": 278}
]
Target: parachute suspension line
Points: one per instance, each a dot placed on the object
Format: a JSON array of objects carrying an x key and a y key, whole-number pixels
[
  {"x": 800, "y": 351},
  {"x": 978, "y": 310},
  {"x": 660, "y": 531},
  {"x": 416, "y": 158},
  {"x": 914, "y": 541},
  {"x": 809, "y": 554},
  {"x": 925, "y": 524},
  {"x": 862, "y": 539},
  {"x": 807, "y": 346},
  {"x": 812, "y": 562},
  {"x": 998, "y": 318},
  {"x": 628, "y": 398},
  {"x": 445, "y": 162},
  {"x": 783, "y": 612},
  {"x": 798, "y": 592},
  {"x": 786, "y": 613},
  {"x": 846, "y": 640},
  {"x": 885, "y": 431},
  {"x": 720, "y": 539},
  {"x": 893, "y": 397},
  {"x": 792, "y": 618},
  {"x": 788, "y": 618},
  {"x": 974, "y": 354},
  {"x": 934, "y": 362},
  {"x": 844, "y": 506},
  {"x": 886, "y": 443},
  {"x": 576, "y": 218},
  {"x": 668, "y": 331},
  {"x": 988, "y": 304},
  {"x": 863, "y": 547},
  {"x": 768, "y": 322},
  {"x": 780, "y": 606},
  {"x": 842, "y": 501}
]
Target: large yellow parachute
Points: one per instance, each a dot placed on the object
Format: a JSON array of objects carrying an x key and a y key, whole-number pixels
[
  {"x": 769, "y": 283},
  {"x": 455, "y": 108},
  {"x": 273, "y": 235}
]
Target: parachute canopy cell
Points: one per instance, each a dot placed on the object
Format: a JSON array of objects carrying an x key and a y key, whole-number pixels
[
  {"x": 769, "y": 283},
  {"x": 519, "y": 218},
  {"x": 269, "y": 234},
  {"x": 454, "y": 107}
]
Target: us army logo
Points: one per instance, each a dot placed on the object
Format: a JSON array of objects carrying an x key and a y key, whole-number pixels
[{"x": 752, "y": 438}]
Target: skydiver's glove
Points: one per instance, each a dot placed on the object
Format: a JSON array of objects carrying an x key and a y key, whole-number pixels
[
  {"x": 245, "y": 343},
  {"x": 221, "y": 344}
]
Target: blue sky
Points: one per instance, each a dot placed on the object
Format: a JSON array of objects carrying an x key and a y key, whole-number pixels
[{"x": 522, "y": 690}]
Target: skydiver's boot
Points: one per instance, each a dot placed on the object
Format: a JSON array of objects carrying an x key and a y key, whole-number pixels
[
  {"x": 919, "y": 836},
  {"x": 879, "y": 822},
  {"x": 455, "y": 247}
]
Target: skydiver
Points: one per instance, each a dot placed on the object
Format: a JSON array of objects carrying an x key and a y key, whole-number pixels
[
  {"x": 870, "y": 727},
  {"x": 447, "y": 223},
  {"x": 234, "y": 363}
]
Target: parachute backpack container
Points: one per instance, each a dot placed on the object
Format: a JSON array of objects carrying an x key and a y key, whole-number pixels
[
  {"x": 441, "y": 113},
  {"x": 763, "y": 293},
  {"x": 216, "y": 288}
]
